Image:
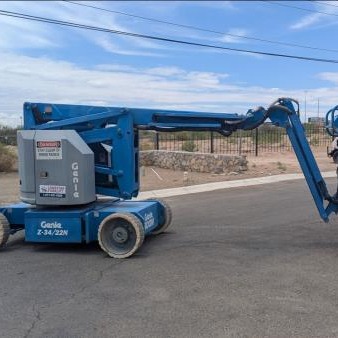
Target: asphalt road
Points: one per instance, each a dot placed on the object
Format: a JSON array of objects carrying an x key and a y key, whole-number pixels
[{"x": 244, "y": 262}]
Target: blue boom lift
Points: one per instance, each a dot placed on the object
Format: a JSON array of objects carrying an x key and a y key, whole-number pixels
[{"x": 69, "y": 154}]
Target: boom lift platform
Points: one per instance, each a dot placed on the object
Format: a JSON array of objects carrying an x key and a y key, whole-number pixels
[{"x": 70, "y": 154}]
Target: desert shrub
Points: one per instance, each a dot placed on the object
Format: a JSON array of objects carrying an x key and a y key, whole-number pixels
[
  {"x": 8, "y": 135},
  {"x": 7, "y": 159},
  {"x": 314, "y": 141},
  {"x": 146, "y": 146},
  {"x": 189, "y": 146},
  {"x": 281, "y": 166}
]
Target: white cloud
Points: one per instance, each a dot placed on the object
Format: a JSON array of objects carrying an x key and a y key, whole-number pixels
[
  {"x": 165, "y": 71},
  {"x": 15, "y": 34},
  {"x": 109, "y": 46},
  {"x": 18, "y": 34},
  {"x": 307, "y": 21},
  {"x": 329, "y": 76},
  {"x": 234, "y": 35},
  {"x": 326, "y": 15},
  {"x": 45, "y": 80}
]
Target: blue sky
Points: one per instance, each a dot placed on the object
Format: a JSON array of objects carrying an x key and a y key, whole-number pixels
[{"x": 47, "y": 63}]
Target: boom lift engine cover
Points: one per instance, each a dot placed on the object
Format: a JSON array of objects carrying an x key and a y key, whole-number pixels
[{"x": 56, "y": 167}]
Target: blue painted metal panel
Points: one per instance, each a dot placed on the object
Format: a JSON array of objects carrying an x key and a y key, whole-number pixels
[
  {"x": 108, "y": 191},
  {"x": 124, "y": 157},
  {"x": 92, "y": 221},
  {"x": 107, "y": 170},
  {"x": 98, "y": 135},
  {"x": 62, "y": 225},
  {"x": 41, "y": 227},
  {"x": 15, "y": 213}
]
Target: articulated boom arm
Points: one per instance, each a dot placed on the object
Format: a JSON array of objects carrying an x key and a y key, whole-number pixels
[
  {"x": 116, "y": 129},
  {"x": 282, "y": 113},
  {"x": 85, "y": 118}
]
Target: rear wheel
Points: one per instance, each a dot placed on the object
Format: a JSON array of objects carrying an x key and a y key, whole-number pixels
[
  {"x": 120, "y": 235},
  {"x": 167, "y": 215},
  {"x": 4, "y": 230},
  {"x": 335, "y": 157}
]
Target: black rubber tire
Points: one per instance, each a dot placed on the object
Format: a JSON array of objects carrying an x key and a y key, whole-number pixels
[
  {"x": 168, "y": 215},
  {"x": 335, "y": 157},
  {"x": 120, "y": 235},
  {"x": 5, "y": 230}
]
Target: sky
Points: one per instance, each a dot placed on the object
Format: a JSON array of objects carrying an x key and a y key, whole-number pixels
[{"x": 40, "y": 62}]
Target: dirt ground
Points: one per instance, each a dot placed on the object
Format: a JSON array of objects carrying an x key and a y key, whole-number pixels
[{"x": 156, "y": 178}]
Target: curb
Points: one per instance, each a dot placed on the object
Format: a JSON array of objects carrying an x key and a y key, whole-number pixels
[{"x": 194, "y": 189}]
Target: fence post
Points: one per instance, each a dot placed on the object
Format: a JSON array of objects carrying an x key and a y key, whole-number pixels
[
  {"x": 256, "y": 142},
  {"x": 240, "y": 143},
  {"x": 211, "y": 142},
  {"x": 157, "y": 141}
]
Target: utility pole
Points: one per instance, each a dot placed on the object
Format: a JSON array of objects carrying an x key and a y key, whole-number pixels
[
  {"x": 318, "y": 121},
  {"x": 318, "y": 111},
  {"x": 305, "y": 106}
]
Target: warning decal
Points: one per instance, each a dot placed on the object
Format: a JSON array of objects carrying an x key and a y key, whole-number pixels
[
  {"x": 48, "y": 150},
  {"x": 57, "y": 191}
]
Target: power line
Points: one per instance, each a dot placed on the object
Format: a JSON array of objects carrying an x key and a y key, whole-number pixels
[
  {"x": 300, "y": 8},
  {"x": 201, "y": 29},
  {"x": 157, "y": 38}
]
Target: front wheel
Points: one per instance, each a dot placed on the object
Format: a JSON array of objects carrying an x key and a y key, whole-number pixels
[
  {"x": 4, "y": 230},
  {"x": 120, "y": 235},
  {"x": 167, "y": 216}
]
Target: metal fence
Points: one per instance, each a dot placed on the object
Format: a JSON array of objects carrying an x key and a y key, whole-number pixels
[
  {"x": 8, "y": 139},
  {"x": 266, "y": 138}
]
